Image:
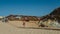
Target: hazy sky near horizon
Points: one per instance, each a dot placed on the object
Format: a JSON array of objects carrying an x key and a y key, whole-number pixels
[{"x": 28, "y": 7}]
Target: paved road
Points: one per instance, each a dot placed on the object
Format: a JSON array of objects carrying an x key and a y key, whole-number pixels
[{"x": 6, "y": 28}]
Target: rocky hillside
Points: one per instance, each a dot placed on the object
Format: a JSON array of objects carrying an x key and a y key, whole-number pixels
[
  {"x": 54, "y": 15},
  {"x": 23, "y": 18},
  {"x": 56, "y": 12}
]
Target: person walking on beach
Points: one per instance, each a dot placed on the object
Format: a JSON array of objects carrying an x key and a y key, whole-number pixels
[{"x": 23, "y": 23}]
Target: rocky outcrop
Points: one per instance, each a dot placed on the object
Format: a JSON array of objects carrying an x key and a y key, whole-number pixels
[{"x": 54, "y": 15}]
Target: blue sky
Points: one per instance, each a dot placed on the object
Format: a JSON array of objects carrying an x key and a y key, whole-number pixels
[{"x": 28, "y": 7}]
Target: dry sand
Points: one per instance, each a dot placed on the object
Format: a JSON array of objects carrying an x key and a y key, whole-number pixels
[{"x": 6, "y": 28}]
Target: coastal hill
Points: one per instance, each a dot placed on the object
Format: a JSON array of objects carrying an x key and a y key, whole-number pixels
[
  {"x": 56, "y": 12},
  {"x": 54, "y": 15},
  {"x": 23, "y": 18}
]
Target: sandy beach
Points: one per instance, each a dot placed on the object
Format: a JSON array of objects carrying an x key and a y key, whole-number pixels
[{"x": 6, "y": 28}]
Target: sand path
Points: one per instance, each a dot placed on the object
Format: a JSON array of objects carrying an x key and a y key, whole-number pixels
[{"x": 6, "y": 28}]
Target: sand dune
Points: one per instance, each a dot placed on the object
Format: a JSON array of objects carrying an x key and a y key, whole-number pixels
[{"x": 6, "y": 28}]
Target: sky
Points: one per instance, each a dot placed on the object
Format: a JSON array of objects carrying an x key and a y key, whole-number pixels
[{"x": 28, "y": 7}]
